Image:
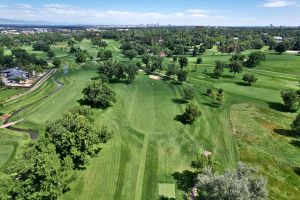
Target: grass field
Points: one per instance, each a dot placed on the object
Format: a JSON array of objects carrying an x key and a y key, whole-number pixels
[{"x": 148, "y": 145}]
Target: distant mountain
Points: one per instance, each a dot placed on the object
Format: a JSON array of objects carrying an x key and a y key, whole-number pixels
[{"x": 23, "y": 22}]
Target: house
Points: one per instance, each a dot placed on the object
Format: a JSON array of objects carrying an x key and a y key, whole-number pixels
[
  {"x": 278, "y": 39},
  {"x": 12, "y": 74}
]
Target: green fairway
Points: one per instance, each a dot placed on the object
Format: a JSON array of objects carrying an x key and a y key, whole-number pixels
[
  {"x": 11, "y": 144},
  {"x": 149, "y": 145}
]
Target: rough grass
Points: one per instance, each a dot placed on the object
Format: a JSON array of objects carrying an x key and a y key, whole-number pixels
[{"x": 261, "y": 145}]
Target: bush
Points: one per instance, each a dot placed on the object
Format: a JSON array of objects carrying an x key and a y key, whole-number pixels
[
  {"x": 190, "y": 114},
  {"x": 188, "y": 93},
  {"x": 249, "y": 78},
  {"x": 199, "y": 60}
]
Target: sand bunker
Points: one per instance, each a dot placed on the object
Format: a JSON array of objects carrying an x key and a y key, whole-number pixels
[{"x": 155, "y": 77}]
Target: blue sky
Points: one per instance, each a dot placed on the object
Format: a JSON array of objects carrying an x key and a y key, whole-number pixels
[{"x": 176, "y": 12}]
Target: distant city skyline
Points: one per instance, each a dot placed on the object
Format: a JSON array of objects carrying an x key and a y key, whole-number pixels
[{"x": 164, "y": 12}]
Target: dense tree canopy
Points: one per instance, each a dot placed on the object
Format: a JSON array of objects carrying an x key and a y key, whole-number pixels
[
  {"x": 98, "y": 93},
  {"x": 38, "y": 174},
  {"x": 255, "y": 58},
  {"x": 190, "y": 114},
  {"x": 188, "y": 93},
  {"x": 41, "y": 46},
  {"x": 290, "y": 99},
  {"x": 183, "y": 61},
  {"x": 241, "y": 183},
  {"x": 115, "y": 71},
  {"x": 249, "y": 78},
  {"x": 236, "y": 67},
  {"x": 219, "y": 69},
  {"x": 182, "y": 75},
  {"x": 104, "y": 55},
  {"x": 296, "y": 125},
  {"x": 75, "y": 136},
  {"x": 280, "y": 48}
]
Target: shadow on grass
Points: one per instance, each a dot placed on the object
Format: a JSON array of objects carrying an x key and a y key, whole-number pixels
[
  {"x": 175, "y": 83},
  {"x": 179, "y": 101},
  {"x": 297, "y": 170},
  {"x": 161, "y": 197},
  {"x": 277, "y": 106},
  {"x": 95, "y": 78},
  {"x": 83, "y": 102},
  {"x": 295, "y": 143},
  {"x": 212, "y": 105},
  {"x": 227, "y": 76},
  {"x": 166, "y": 78},
  {"x": 242, "y": 84},
  {"x": 181, "y": 119},
  {"x": 185, "y": 180},
  {"x": 285, "y": 132}
]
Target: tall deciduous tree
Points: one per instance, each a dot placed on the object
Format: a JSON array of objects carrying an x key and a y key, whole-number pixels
[
  {"x": 182, "y": 75},
  {"x": 190, "y": 114},
  {"x": 75, "y": 136},
  {"x": 38, "y": 174},
  {"x": 188, "y": 93},
  {"x": 249, "y": 78},
  {"x": 236, "y": 67},
  {"x": 296, "y": 125},
  {"x": 290, "y": 99},
  {"x": 219, "y": 69},
  {"x": 280, "y": 48},
  {"x": 183, "y": 61},
  {"x": 255, "y": 58},
  {"x": 99, "y": 94}
]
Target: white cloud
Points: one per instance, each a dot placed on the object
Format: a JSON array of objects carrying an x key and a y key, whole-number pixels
[
  {"x": 67, "y": 14},
  {"x": 277, "y": 3},
  {"x": 198, "y": 11},
  {"x": 70, "y": 14}
]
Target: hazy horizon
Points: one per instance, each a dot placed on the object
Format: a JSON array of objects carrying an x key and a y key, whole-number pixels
[{"x": 133, "y": 12}]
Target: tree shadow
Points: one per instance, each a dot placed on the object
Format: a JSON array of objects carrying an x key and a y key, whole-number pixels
[
  {"x": 277, "y": 106},
  {"x": 95, "y": 78},
  {"x": 185, "y": 180},
  {"x": 212, "y": 105},
  {"x": 175, "y": 83},
  {"x": 181, "y": 119},
  {"x": 161, "y": 197},
  {"x": 297, "y": 170},
  {"x": 166, "y": 78},
  {"x": 242, "y": 84},
  {"x": 227, "y": 76},
  {"x": 83, "y": 102},
  {"x": 295, "y": 143},
  {"x": 285, "y": 132},
  {"x": 179, "y": 101}
]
